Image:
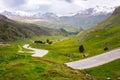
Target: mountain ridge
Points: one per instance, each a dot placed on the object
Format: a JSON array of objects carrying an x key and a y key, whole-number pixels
[
  {"x": 11, "y": 30},
  {"x": 82, "y": 19}
]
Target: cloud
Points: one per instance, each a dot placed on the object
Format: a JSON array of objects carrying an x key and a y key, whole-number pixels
[
  {"x": 69, "y": 1},
  {"x": 56, "y": 6},
  {"x": 93, "y": 3},
  {"x": 13, "y": 3},
  {"x": 36, "y": 6},
  {"x": 44, "y": 8},
  {"x": 63, "y": 7},
  {"x": 84, "y": 0}
]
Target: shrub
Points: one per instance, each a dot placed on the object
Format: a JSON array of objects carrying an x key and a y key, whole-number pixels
[
  {"x": 48, "y": 41},
  {"x": 81, "y": 49},
  {"x": 105, "y": 49}
]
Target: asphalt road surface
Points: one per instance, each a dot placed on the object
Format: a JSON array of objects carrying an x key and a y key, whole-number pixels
[
  {"x": 96, "y": 60},
  {"x": 37, "y": 52}
]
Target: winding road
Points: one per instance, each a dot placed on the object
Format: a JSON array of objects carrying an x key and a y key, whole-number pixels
[
  {"x": 37, "y": 52},
  {"x": 96, "y": 60},
  {"x": 85, "y": 63}
]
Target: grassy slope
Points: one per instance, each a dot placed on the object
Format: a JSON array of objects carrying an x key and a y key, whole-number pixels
[
  {"x": 62, "y": 51},
  {"x": 21, "y": 66},
  {"x": 94, "y": 43},
  {"x": 111, "y": 70}
]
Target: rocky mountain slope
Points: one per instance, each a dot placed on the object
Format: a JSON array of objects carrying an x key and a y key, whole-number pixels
[{"x": 12, "y": 30}]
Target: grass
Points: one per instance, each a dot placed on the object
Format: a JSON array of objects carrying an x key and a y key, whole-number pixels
[
  {"x": 21, "y": 66},
  {"x": 60, "y": 51},
  {"x": 67, "y": 50},
  {"x": 97, "y": 41},
  {"x": 94, "y": 44},
  {"x": 102, "y": 72}
]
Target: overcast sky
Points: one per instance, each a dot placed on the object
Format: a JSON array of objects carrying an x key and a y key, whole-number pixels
[{"x": 56, "y": 6}]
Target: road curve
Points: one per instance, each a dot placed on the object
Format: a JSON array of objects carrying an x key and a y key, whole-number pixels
[
  {"x": 96, "y": 60},
  {"x": 38, "y": 52}
]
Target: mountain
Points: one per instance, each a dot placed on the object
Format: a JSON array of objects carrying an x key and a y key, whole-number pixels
[
  {"x": 111, "y": 22},
  {"x": 83, "y": 19},
  {"x": 49, "y": 16},
  {"x": 38, "y": 15},
  {"x": 7, "y": 13},
  {"x": 53, "y": 24},
  {"x": 12, "y": 30},
  {"x": 49, "y": 20},
  {"x": 98, "y": 10},
  {"x": 117, "y": 11},
  {"x": 87, "y": 18}
]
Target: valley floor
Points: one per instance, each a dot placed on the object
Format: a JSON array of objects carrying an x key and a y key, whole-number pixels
[{"x": 49, "y": 67}]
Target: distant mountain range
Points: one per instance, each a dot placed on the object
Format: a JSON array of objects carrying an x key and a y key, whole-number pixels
[
  {"x": 84, "y": 19},
  {"x": 89, "y": 17}
]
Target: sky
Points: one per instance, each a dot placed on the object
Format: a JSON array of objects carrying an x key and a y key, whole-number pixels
[{"x": 55, "y": 6}]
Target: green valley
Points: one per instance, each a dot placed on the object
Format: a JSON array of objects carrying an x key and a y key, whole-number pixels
[
  {"x": 15, "y": 65},
  {"x": 63, "y": 45}
]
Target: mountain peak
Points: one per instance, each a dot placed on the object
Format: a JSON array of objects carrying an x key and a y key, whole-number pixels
[
  {"x": 98, "y": 10},
  {"x": 7, "y": 13},
  {"x": 51, "y": 16},
  {"x": 117, "y": 11},
  {"x": 3, "y": 17}
]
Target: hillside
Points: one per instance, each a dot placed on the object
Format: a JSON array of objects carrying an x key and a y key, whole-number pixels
[
  {"x": 110, "y": 70},
  {"x": 11, "y": 30},
  {"x": 58, "y": 25},
  {"x": 50, "y": 24}
]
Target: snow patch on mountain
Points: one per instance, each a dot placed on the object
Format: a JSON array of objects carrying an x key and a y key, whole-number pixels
[
  {"x": 98, "y": 10},
  {"x": 90, "y": 11}
]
